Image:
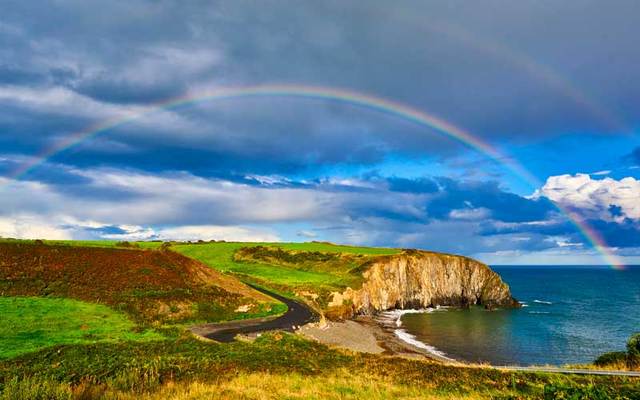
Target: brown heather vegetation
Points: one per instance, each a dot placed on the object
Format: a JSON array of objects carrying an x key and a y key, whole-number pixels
[{"x": 150, "y": 285}]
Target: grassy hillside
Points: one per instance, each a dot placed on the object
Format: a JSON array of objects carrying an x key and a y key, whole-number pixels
[
  {"x": 273, "y": 367},
  {"x": 287, "y": 267},
  {"x": 32, "y": 323},
  {"x": 151, "y": 286}
]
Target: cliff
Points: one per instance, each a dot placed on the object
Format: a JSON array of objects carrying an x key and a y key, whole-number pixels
[{"x": 418, "y": 279}]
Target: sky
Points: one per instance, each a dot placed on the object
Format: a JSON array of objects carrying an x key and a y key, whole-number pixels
[{"x": 546, "y": 90}]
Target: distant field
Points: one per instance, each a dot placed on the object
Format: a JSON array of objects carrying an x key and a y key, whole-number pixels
[
  {"x": 307, "y": 246},
  {"x": 87, "y": 243},
  {"x": 32, "y": 323},
  {"x": 220, "y": 257}
]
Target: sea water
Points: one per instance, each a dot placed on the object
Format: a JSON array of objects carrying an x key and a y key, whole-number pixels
[{"x": 571, "y": 315}]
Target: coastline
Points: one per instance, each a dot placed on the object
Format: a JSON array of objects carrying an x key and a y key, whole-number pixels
[{"x": 375, "y": 334}]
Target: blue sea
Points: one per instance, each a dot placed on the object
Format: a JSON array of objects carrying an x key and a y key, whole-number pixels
[{"x": 572, "y": 314}]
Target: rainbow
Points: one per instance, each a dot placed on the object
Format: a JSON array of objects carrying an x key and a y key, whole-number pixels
[{"x": 353, "y": 98}]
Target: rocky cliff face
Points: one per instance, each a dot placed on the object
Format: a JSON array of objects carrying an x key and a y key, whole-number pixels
[{"x": 417, "y": 279}]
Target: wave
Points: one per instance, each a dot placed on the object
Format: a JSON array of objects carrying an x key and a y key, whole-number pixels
[
  {"x": 539, "y": 312},
  {"x": 412, "y": 340},
  {"x": 395, "y": 316},
  {"x": 543, "y": 302}
]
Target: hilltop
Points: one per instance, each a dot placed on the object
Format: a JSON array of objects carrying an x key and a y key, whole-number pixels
[{"x": 149, "y": 285}]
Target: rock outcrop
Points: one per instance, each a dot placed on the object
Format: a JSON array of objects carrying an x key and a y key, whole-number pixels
[{"x": 418, "y": 279}]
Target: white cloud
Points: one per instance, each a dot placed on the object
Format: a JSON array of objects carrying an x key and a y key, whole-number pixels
[
  {"x": 594, "y": 197},
  {"x": 211, "y": 232},
  {"x": 31, "y": 227},
  {"x": 470, "y": 214}
]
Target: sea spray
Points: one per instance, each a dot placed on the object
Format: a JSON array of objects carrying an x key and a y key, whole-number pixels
[{"x": 395, "y": 316}]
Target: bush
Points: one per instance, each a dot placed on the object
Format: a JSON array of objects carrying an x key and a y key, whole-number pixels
[
  {"x": 127, "y": 244},
  {"x": 612, "y": 358},
  {"x": 633, "y": 351},
  {"x": 574, "y": 392}
]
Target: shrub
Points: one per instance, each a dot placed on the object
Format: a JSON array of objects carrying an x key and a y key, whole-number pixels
[
  {"x": 127, "y": 244},
  {"x": 612, "y": 358},
  {"x": 633, "y": 351}
]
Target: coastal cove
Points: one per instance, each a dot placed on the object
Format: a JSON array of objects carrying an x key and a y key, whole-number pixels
[{"x": 570, "y": 315}]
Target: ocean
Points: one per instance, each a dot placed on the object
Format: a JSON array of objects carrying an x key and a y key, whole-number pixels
[{"x": 571, "y": 315}]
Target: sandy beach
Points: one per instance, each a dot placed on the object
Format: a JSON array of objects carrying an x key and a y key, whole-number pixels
[{"x": 368, "y": 334}]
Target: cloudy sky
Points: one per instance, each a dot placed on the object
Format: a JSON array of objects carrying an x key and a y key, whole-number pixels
[{"x": 550, "y": 86}]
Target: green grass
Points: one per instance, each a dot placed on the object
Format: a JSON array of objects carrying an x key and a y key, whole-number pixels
[
  {"x": 136, "y": 368},
  {"x": 334, "y": 248},
  {"x": 31, "y": 323},
  {"x": 220, "y": 257}
]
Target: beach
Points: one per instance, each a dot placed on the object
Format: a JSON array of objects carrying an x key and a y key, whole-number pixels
[{"x": 370, "y": 334}]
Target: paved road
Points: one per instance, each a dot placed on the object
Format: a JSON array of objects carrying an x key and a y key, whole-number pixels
[{"x": 297, "y": 315}]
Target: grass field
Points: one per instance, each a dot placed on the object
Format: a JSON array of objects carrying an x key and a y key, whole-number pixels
[
  {"x": 274, "y": 366},
  {"x": 31, "y": 323},
  {"x": 221, "y": 257}
]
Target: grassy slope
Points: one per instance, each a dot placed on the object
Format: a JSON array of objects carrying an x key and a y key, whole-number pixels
[
  {"x": 31, "y": 323},
  {"x": 220, "y": 257},
  {"x": 151, "y": 286},
  {"x": 277, "y": 366}
]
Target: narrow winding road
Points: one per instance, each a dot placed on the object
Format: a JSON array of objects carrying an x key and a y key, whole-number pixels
[{"x": 297, "y": 315}]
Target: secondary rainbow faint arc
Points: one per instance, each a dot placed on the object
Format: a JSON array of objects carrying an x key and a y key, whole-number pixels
[{"x": 324, "y": 93}]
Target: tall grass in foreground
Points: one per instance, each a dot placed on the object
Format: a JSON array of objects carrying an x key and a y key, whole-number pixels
[{"x": 340, "y": 385}]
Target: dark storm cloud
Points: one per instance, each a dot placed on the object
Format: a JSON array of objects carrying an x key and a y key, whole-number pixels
[{"x": 142, "y": 52}]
